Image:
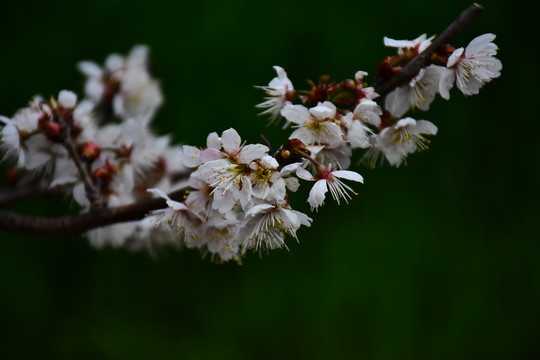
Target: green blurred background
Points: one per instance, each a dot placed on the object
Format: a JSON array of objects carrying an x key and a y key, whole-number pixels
[{"x": 435, "y": 260}]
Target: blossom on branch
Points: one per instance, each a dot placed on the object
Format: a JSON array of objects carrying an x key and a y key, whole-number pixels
[
  {"x": 280, "y": 91},
  {"x": 226, "y": 197},
  {"x": 472, "y": 67}
]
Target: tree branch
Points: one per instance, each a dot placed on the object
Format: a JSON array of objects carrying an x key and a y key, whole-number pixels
[
  {"x": 413, "y": 67},
  {"x": 12, "y": 195},
  {"x": 77, "y": 224}
]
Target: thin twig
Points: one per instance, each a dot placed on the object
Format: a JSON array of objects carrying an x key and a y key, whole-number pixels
[
  {"x": 92, "y": 194},
  {"x": 412, "y": 68}
]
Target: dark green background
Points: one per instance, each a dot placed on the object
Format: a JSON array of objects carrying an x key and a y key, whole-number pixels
[{"x": 435, "y": 260}]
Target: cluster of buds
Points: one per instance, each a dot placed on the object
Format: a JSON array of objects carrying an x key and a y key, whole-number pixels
[{"x": 236, "y": 195}]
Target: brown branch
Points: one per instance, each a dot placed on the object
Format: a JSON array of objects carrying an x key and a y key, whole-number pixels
[
  {"x": 12, "y": 195},
  {"x": 412, "y": 68},
  {"x": 77, "y": 224}
]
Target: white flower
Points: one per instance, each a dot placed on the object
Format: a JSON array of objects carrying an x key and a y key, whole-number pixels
[
  {"x": 266, "y": 180},
  {"x": 329, "y": 179},
  {"x": 368, "y": 112},
  {"x": 140, "y": 95},
  {"x": 278, "y": 90},
  {"x": 265, "y": 226},
  {"x": 472, "y": 67},
  {"x": 135, "y": 94},
  {"x": 115, "y": 235},
  {"x": 237, "y": 152},
  {"x": 23, "y": 124},
  {"x": 147, "y": 237},
  {"x": 397, "y": 141},
  {"x": 357, "y": 134},
  {"x": 359, "y": 75},
  {"x": 418, "y": 93},
  {"x": 315, "y": 126},
  {"x": 227, "y": 179},
  {"x": 177, "y": 217},
  {"x": 83, "y": 117},
  {"x": 218, "y": 234},
  {"x": 193, "y": 157},
  {"x": 339, "y": 155},
  {"x": 95, "y": 85},
  {"x": 422, "y": 42},
  {"x": 140, "y": 148}
]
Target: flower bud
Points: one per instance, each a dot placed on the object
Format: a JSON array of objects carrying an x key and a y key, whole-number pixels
[
  {"x": 90, "y": 151},
  {"x": 54, "y": 131},
  {"x": 67, "y": 99},
  {"x": 287, "y": 154},
  {"x": 104, "y": 174},
  {"x": 12, "y": 176}
]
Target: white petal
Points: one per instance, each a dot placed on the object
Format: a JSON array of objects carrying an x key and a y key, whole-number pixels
[
  {"x": 368, "y": 111},
  {"x": 191, "y": 156},
  {"x": 79, "y": 195},
  {"x": 454, "y": 58},
  {"x": 67, "y": 99},
  {"x": 252, "y": 152},
  {"x": 398, "y": 101},
  {"x": 304, "y": 219},
  {"x": 297, "y": 114},
  {"x": 304, "y": 174},
  {"x": 408, "y": 121},
  {"x": 446, "y": 83},
  {"x": 257, "y": 209},
  {"x": 5, "y": 120},
  {"x": 159, "y": 193},
  {"x": 89, "y": 68},
  {"x": 317, "y": 193},
  {"x": 426, "y": 127},
  {"x": 269, "y": 162},
  {"x": 231, "y": 140},
  {"x": 478, "y": 44},
  {"x": 213, "y": 141},
  {"x": 357, "y": 135},
  {"x": 360, "y": 75},
  {"x": 175, "y": 205},
  {"x": 293, "y": 218},
  {"x": 292, "y": 183},
  {"x": 349, "y": 175},
  {"x": 280, "y": 72},
  {"x": 287, "y": 169},
  {"x": 325, "y": 110},
  {"x": 114, "y": 62},
  {"x": 210, "y": 154},
  {"x": 35, "y": 159}
]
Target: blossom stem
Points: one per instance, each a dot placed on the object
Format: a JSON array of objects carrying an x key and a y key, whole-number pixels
[
  {"x": 308, "y": 157},
  {"x": 413, "y": 67},
  {"x": 303, "y": 92},
  {"x": 92, "y": 193}
]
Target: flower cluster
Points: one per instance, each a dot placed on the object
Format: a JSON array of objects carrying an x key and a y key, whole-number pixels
[
  {"x": 93, "y": 153},
  {"x": 340, "y": 117},
  {"x": 235, "y": 196}
]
